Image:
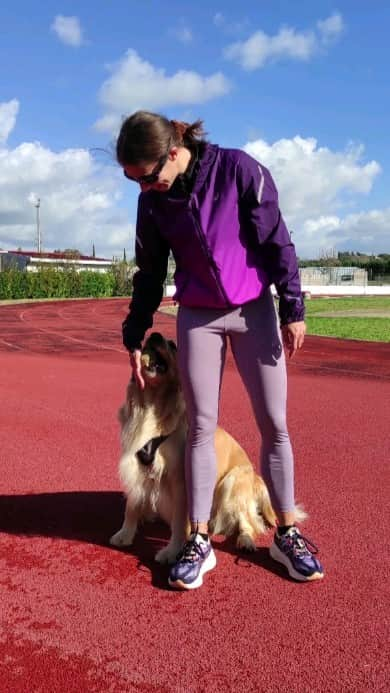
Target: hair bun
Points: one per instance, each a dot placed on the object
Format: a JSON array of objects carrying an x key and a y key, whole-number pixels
[{"x": 180, "y": 127}]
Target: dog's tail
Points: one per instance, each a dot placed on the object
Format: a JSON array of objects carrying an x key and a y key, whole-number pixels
[
  {"x": 265, "y": 506},
  {"x": 263, "y": 501},
  {"x": 300, "y": 513}
]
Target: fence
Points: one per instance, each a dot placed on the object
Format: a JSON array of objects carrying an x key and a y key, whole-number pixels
[{"x": 334, "y": 276}]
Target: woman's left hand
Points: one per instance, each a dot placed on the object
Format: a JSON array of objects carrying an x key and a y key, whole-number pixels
[{"x": 293, "y": 336}]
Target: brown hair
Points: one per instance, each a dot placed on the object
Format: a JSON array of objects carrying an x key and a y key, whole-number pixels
[{"x": 146, "y": 137}]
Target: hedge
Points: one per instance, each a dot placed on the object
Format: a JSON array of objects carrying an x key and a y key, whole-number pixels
[{"x": 64, "y": 283}]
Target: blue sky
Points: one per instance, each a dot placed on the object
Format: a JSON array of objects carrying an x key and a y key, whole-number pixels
[{"x": 302, "y": 86}]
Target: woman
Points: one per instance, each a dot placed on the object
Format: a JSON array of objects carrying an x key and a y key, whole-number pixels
[{"x": 217, "y": 211}]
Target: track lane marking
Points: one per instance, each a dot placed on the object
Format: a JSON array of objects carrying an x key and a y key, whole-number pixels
[
  {"x": 10, "y": 344},
  {"x": 71, "y": 339}
]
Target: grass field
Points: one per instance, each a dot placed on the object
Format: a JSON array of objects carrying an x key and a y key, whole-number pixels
[
  {"x": 366, "y": 317},
  {"x": 358, "y": 317}
]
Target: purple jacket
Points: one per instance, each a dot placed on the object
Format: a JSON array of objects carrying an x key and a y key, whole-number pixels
[{"x": 228, "y": 239}]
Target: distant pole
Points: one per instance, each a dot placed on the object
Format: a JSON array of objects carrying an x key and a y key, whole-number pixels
[{"x": 37, "y": 205}]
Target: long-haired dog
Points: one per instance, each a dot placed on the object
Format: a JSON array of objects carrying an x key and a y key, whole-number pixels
[{"x": 153, "y": 435}]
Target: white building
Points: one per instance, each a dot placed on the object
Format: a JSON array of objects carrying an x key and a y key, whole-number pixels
[{"x": 31, "y": 261}]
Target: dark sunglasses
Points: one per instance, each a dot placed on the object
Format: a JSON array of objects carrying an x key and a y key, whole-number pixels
[{"x": 152, "y": 177}]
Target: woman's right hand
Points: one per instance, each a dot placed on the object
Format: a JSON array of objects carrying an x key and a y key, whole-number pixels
[{"x": 135, "y": 363}]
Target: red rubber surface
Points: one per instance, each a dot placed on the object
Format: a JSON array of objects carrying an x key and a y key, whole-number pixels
[{"x": 78, "y": 616}]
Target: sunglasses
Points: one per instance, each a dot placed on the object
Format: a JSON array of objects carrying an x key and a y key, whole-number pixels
[{"x": 152, "y": 177}]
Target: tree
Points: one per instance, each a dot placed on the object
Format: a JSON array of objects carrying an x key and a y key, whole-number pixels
[{"x": 72, "y": 253}]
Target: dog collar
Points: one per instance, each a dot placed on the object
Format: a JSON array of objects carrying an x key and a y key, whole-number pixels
[{"x": 147, "y": 452}]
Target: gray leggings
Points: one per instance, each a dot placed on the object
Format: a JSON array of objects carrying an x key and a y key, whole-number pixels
[{"x": 255, "y": 341}]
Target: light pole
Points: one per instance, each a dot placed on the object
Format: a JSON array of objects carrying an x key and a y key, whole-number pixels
[{"x": 37, "y": 205}]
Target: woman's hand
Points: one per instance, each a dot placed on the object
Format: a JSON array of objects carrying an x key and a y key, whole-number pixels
[
  {"x": 135, "y": 363},
  {"x": 293, "y": 336}
]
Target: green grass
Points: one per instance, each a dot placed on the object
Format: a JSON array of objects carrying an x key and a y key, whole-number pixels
[
  {"x": 362, "y": 326},
  {"x": 370, "y": 329},
  {"x": 322, "y": 305}
]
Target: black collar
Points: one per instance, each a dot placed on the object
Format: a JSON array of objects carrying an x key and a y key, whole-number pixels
[
  {"x": 147, "y": 453},
  {"x": 184, "y": 182}
]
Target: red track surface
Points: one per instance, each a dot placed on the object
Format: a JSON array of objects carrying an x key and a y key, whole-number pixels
[{"x": 78, "y": 616}]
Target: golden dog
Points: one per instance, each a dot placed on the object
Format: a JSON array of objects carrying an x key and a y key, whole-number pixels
[{"x": 153, "y": 435}]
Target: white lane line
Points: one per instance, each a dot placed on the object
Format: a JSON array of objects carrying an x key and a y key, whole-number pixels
[
  {"x": 14, "y": 346},
  {"x": 61, "y": 315},
  {"x": 73, "y": 318},
  {"x": 331, "y": 369},
  {"x": 71, "y": 339}
]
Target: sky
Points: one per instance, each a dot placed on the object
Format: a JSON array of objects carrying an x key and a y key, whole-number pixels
[{"x": 301, "y": 86}]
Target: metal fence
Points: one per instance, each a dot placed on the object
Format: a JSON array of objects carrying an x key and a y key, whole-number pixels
[{"x": 334, "y": 276}]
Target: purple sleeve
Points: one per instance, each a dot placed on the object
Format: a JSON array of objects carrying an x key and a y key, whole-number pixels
[
  {"x": 259, "y": 208},
  {"x": 151, "y": 256}
]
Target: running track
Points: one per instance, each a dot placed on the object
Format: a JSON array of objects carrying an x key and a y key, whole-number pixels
[{"x": 78, "y": 616}]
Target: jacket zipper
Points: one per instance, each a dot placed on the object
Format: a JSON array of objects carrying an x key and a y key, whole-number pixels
[{"x": 210, "y": 259}]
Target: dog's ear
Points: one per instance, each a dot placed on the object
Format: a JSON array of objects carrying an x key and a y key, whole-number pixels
[{"x": 172, "y": 345}]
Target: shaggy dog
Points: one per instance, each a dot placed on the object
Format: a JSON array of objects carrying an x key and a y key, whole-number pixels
[{"x": 153, "y": 435}]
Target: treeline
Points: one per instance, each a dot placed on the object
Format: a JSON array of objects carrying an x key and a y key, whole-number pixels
[
  {"x": 50, "y": 282},
  {"x": 376, "y": 265}
]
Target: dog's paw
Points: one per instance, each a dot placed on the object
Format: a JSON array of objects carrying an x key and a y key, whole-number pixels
[
  {"x": 122, "y": 538},
  {"x": 245, "y": 543},
  {"x": 167, "y": 554}
]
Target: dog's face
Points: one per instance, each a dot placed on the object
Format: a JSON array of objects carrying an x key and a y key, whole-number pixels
[{"x": 158, "y": 360}]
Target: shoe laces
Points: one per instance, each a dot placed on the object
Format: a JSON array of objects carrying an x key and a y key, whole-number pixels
[
  {"x": 190, "y": 552},
  {"x": 192, "y": 549},
  {"x": 299, "y": 545}
]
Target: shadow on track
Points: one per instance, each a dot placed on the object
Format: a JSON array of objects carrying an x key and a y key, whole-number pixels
[
  {"x": 84, "y": 516},
  {"x": 79, "y": 515},
  {"x": 93, "y": 516}
]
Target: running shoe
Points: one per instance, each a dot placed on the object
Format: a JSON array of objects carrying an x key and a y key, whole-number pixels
[
  {"x": 295, "y": 552},
  {"x": 194, "y": 560}
]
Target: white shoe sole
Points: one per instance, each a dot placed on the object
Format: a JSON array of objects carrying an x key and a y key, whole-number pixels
[
  {"x": 209, "y": 564},
  {"x": 280, "y": 557}
]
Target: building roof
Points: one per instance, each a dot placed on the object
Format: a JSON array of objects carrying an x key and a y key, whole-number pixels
[{"x": 57, "y": 256}]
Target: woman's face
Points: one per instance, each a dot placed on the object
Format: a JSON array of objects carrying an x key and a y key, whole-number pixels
[{"x": 159, "y": 175}]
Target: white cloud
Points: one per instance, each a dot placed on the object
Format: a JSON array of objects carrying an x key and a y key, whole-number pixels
[
  {"x": 8, "y": 112},
  {"x": 230, "y": 27},
  {"x": 136, "y": 83},
  {"x": 317, "y": 188},
  {"x": 184, "y": 34},
  {"x": 366, "y": 231},
  {"x": 288, "y": 43},
  {"x": 259, "y": 48},
  {"x": 218, "y": 19},
  {"x": 68, "y": 30},
  {"x": 80, "y": 199},
  {"x": 331, "y": 28},
  {"x": 324, "y": 196}
]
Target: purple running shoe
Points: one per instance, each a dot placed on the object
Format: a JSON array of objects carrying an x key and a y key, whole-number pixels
[
  {"x": 193, "y": 561},
  {"x": 292, "y": 550}
]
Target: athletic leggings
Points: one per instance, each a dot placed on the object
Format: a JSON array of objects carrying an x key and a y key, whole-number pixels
[{"x": 255, "y": 340}]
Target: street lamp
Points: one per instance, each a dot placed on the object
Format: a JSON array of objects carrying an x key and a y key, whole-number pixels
[{"x": 37, "y": 205}]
